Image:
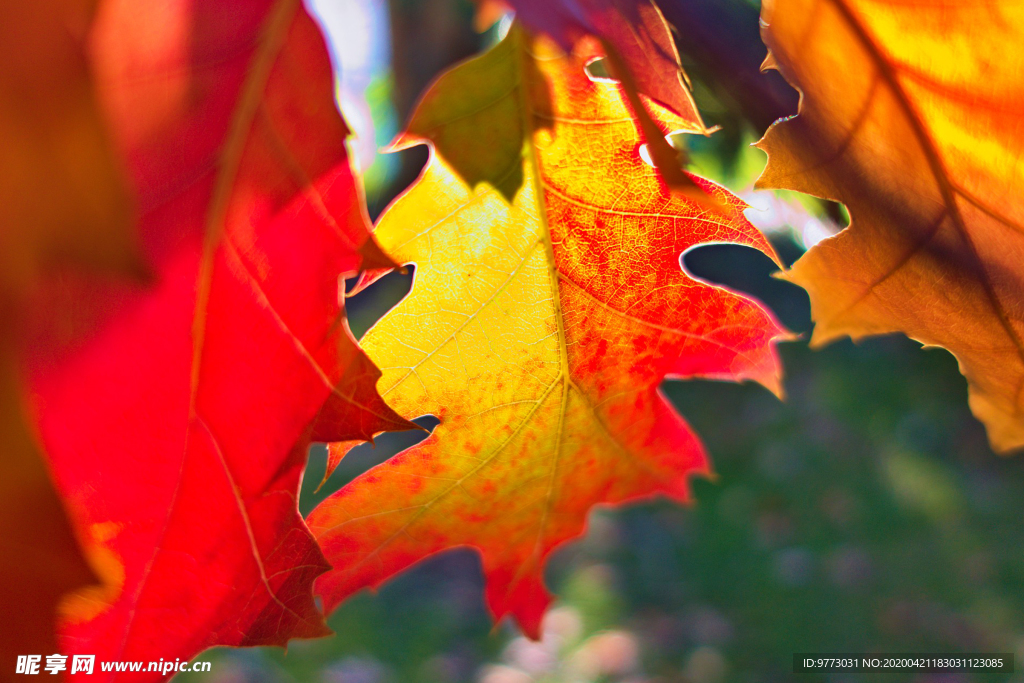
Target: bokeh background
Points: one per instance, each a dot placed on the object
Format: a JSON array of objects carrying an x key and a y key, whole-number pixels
[{"x": 864, "y": 513}]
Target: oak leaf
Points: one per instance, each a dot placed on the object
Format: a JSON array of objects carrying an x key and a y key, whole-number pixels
[
  {"x": 910, "y": 115},
  {"x": 548, "y": 305},
  {"x": 175, "y": 417},
  {"x": 63, "y": 204}
]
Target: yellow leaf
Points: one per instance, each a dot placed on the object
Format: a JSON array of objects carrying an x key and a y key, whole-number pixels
[{"x": 548, "y": 305}]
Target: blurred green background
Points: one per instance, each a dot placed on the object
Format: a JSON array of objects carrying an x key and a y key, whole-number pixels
[{"x": 864, "y": 513}]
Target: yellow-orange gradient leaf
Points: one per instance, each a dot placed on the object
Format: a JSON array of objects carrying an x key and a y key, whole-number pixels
[
  {"x": 912, "y": 115},
  {"x": 548, "y": 305}
]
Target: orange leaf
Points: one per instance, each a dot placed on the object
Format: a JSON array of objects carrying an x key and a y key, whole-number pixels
[
  {"x": 911, "y": 115},
  {"x": 548, "y": 305}
]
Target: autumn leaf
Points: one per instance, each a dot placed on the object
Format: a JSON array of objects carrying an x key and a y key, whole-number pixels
[
  {"x": 547, "y": 307},
  {"x": 175, "y": 418},
  {"x": 911, "y": 116},
  {"x": 63, "y": 204},
  {"x": 639, "y": 52}
]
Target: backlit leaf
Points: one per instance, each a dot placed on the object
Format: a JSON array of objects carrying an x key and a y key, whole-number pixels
[
  {"x": 911, "y": 115},
  {"x": 548, "y": 305}
]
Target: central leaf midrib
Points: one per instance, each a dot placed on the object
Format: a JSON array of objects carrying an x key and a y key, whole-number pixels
[{"x": 531, "y": 153}]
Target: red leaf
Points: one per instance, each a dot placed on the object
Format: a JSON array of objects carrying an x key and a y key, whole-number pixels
[{"x": 176, "y": 418}]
